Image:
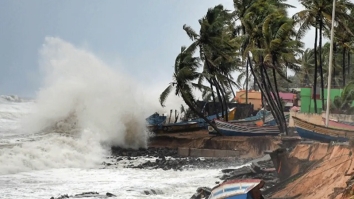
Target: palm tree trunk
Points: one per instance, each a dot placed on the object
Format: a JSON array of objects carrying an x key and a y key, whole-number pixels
[
  {"x": 254, "y": 83},
  {"x": 321, "y": 69},
  {"x": 263, "y": 106},
  {"x": 194, "y": 109},
  {"x": 334, "y": 61},
  {"x": 212, "y": 80},
  {"x": 232, "y": 90},
  {"x": 247, "y": 81},
  {"x": 315, "y": 73},
  {"x": 343, "y": 68},
  {"x": 348, "y": 65},
  {"x": 213, "y": 96},
  {"x": 219, "y": 97},
  {"x": 264, "y": 89},
  {"x": 169, "y": 119},
  {"x": 279, "y": 101},
  {"x": 272, "y": 99},
  {"x": 223, "y": 94}
]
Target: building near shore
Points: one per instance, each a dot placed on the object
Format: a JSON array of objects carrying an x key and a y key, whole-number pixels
[
  {"x": 307, "y": 99},
  {"x": 255, "y": 98}
]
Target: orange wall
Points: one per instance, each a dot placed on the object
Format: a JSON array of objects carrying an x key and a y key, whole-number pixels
[{"x": 254, "y": 97}]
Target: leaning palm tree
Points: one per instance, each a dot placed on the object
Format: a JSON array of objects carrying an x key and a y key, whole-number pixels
[
  {"x": 279, "y": 49},
  {"x": 185, "y": 72},
  {"x": 217, "y": 50},
  {"x": 269, "y": 40}
]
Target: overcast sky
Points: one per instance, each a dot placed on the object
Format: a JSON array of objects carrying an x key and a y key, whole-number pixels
[{"x": 140, "y": 37}]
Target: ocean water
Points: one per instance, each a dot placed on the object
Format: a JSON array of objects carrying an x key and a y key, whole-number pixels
[{"x": 55, "y": 143}]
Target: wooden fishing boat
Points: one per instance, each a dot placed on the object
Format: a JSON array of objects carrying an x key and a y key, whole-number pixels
[
  {"x": 258, "y": 122},
  {"x": 156, "y": 119},
  {"x": 234, "y": 129},
  {"x": 238, "y": 189},
  {"x": 271, "y": 121},
  {"x": 176, "y": 127},
  {"x": 254, "y": 120},
  {"x": 338, "y": 124},
  {"x": 321, "y": 133}
]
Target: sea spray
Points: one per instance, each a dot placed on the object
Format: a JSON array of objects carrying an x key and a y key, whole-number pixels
[
  {"x": 83, "y": 107},
  {"x": 77, "y": 82}
]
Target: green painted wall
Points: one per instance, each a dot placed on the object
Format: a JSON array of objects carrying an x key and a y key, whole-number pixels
[{"x": 307, "y": 104}]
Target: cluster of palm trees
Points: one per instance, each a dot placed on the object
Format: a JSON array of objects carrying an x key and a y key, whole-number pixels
[{"x": 258, "y": 37}]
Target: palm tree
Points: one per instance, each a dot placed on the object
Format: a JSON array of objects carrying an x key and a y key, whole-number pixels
[
  {"x": 343, "y": 104},
  {"x": 307, "y": 66},
  {"x": 218, "y": 51},
  {"x": 265, "y": 38},
  {"x": 185, "y": 71},
  {"x": 318, "y": 13}
]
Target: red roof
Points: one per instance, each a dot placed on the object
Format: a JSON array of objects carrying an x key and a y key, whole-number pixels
[{"x": 286, "y": 96}]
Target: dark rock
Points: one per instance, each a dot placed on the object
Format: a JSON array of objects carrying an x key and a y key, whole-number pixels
[
  {"x": 110, "y": 195},
  {"x": 152, "y": 192},
  {"x": 202, "y": 192},
  {"x": 86, "y": 195}
]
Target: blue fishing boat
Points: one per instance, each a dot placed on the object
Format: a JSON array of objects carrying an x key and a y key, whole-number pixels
[
  {"x": 321, "y": 133},
  {"x": 183, "y": 126},
  {"x": 234, "y": 129},
  {"x": 156, "y": 119},
  {"x": 258, "y": 116},
  {"x": 253, "y": 120},
  {"x": 238, "y": 189},
  {"x": 269, "y": 120},
  {"x": 178, "y": 127}
]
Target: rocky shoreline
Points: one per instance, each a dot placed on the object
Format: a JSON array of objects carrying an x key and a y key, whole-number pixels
[{"x": 168, "y": 159}]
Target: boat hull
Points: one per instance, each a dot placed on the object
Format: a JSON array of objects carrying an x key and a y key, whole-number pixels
[
  {"x": 321, "y": 133},
  {"x": 172, "y": 128},
  {"x": 306, "y": 134},
  {"x": 339, "y": 125},
  {"x": 232, "y": 129},
  {"x": 156, "y": 119}
]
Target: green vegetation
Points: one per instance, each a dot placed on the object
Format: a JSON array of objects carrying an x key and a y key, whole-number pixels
[{"x": 262, "y": 42}]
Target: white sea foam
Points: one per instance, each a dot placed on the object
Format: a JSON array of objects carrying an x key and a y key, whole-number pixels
[
  {"x": 125, "y": 183},
  {"x": 102, "y": 99},
  {"x": 64, "y": 134},
  {"x": 83, "y": 98}
]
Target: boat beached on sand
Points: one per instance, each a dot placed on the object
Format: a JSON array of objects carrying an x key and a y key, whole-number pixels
[
  {"x": 321, "y": 133},
  {"x": 324, "y": 133},
  {"x": 176, "y": 127},
  {"x": 338, "y": 124},
  {"x": 234, "y": 129}
]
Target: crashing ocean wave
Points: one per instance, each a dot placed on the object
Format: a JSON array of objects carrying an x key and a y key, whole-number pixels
[{"x": 82, "y": 108}]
